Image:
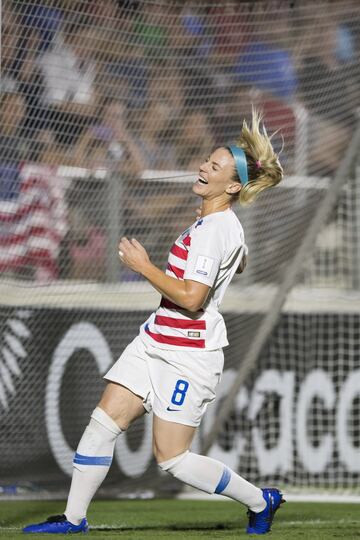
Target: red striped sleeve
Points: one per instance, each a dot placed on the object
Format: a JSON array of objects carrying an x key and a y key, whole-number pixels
[
  {"x": 179, "y": 272},
  {"x": 187, "y": 240},
  {"x": 179, "y": 252},
  {"x": 187, "y": 324},
  {"x": 178, "y": 341}
]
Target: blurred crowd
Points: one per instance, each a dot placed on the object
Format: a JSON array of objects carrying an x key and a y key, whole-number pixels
[{"x": 133, "y": 86}]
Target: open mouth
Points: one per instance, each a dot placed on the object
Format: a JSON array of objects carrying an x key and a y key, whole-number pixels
[{"x": 202, "y": 181}]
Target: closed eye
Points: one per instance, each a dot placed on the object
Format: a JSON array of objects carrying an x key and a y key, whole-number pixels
[
  {"x": 215, "y": 166},
  {"x": 218, "y": 167}
]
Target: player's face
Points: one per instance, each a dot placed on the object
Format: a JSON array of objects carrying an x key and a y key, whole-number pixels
[{"x": 215, "y": 176}]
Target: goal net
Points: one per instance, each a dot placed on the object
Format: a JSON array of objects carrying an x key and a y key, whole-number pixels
[{"x": 107, "y": 111}]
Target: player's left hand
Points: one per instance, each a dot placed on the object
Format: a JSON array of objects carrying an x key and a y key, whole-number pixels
[{"x": 133, "y": 254}]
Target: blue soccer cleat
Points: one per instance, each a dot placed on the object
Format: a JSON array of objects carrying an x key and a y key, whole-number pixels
[
  {"x": 260, "y": 523},
  {"x": 57, "y": 525}
]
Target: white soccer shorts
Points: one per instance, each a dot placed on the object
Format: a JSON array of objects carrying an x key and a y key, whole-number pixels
[{"x": 176, "y": 385}]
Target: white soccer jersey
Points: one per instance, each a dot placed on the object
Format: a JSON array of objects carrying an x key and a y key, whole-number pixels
[{"x": 209, "y": 252}]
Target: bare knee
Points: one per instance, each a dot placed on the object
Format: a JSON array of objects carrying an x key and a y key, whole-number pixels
[
  {"x": 165, "y": 454},
  {"x": 163, "y": 459},
  {"x": 167, "y": 448},
  {"x": 122, "y": 405},
  {"x": 170, "y": 439}
]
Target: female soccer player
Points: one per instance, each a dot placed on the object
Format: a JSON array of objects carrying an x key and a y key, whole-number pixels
[{"x": 174, "y": 365}]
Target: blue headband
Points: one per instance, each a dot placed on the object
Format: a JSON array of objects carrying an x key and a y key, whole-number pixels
[{"x": 240, "y": 163}]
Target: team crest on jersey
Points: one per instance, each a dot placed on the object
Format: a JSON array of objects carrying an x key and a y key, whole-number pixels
[{"x": 200, "y": 222}]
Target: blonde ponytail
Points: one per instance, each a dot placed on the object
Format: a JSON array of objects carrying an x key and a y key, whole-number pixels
[{"x": 264, "y": 168}]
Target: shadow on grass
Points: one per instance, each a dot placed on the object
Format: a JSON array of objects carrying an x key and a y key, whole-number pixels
[{"x": 170, "y": 527}]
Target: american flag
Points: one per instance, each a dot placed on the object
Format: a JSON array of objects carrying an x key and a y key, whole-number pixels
[{"x": 33, "y": 221}]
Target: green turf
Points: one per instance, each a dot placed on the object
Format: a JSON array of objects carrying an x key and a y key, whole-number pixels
[{"x": 188, "y": 519}]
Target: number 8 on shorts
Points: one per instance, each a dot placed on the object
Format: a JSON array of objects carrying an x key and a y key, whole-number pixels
[{"x": 179, "y": 393}]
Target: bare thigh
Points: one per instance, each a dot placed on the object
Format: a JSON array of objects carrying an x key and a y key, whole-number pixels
[
  {"x": 122, "y": 405},
  {"x": 170, "y": 439}
]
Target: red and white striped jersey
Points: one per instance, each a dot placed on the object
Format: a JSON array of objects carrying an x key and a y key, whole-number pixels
[{"x": 209, "y": 252}]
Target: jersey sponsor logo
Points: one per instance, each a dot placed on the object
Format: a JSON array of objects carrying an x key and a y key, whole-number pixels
[
  {"x": 204, "y": 265},
  {"x": 173, "y": 340},
  {"x": 193, "y": 334},
  {"x": 172, "y": 410}
]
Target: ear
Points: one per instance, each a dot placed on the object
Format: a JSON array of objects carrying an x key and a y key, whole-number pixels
[{"x": 233, "y": 188}]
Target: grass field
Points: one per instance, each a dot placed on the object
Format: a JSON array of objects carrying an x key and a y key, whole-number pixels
[{"x": 188, "y": 519}]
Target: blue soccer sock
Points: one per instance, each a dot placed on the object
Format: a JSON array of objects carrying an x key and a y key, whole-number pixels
[{"x": 91, "y": 463}]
